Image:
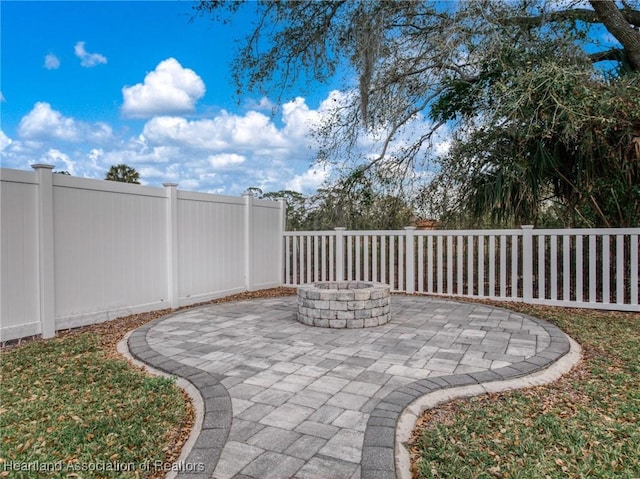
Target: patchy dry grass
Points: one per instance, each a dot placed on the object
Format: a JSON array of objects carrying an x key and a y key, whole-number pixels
[
  {"x": 73, "y": 403},
  {"x": 587, "y": 424}
]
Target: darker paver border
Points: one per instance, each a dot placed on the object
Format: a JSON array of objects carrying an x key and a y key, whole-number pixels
[
  {"x": 378, "y": 451},
  {"x": 216, "y": 423}
]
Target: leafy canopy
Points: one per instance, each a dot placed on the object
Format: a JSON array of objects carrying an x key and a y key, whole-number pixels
[{"x": 542, "y": 117}]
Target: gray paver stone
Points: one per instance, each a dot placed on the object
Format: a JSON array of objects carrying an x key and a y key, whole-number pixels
[
  {"x": 379, "y": 436},
  {"x": 272, "y": 465},
  {"x": 273, "y": 439},
  {"x": 305, "y": 447},
  {"x": 326, "y": 467}
]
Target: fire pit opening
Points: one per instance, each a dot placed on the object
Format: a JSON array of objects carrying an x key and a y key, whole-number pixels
[{"x": 344, "y": 304}]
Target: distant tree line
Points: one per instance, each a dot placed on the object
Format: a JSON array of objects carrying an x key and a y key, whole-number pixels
[{"x": 356, "y": 208}]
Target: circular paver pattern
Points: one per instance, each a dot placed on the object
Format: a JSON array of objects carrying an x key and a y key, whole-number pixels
[{"x": 282, "y": 399}]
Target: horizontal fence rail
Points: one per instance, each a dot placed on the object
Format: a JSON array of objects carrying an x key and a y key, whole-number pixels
[{"x": 588, "y": 268}]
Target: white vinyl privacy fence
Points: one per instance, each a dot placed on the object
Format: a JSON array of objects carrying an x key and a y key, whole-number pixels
[
  {"x": 589, "y": 268},
  {"x": 77, "y": 251}
]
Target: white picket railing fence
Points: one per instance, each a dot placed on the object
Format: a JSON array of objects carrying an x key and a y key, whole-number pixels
[{"x": 588, "y": 268}]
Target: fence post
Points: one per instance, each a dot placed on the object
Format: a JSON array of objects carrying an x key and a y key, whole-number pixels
[
  {"x": 248, "y": 254},
  {"x": 171, "y": 193},
  {"x": 46, "y": 264},
  {"x": 340, "y": 253},
  {"x": 527, "y": 263},
  {"x": 409, "y": 266},
  {"x": 283, "y": 227}
]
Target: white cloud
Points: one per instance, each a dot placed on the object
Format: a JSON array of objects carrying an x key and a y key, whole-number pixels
[
  {"x": 299, "y": 119},
  {"x": 45, "y": 123},
  {"x": 309, "y": 181},
  {"x": 95, "y": 154},
  {"x": 169, "y": 89},
  {"x": 224, "y": 132},
  {"x": 88, "y": 60},
  {"x": 5, "y": 141},
  {"x": 98, "y": 132},
  {"x": 226, "y": 160},
  {"x": 51, "y": 62},
  {"x": 263, "y": 104},
  {"x": 2, "y": 98},
  {"x": 55, "y": 157}
]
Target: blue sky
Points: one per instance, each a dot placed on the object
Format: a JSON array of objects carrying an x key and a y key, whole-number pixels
[{"x": 86, "y": 85}]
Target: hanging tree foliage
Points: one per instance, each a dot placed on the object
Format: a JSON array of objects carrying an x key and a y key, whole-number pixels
[{"x": 542, "y": 119}]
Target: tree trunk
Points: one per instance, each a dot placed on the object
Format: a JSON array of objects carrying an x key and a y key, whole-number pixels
[{"x": 620, "y": 28}]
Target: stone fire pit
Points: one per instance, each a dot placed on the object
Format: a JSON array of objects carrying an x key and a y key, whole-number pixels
[{"x": 344, "y": 304}]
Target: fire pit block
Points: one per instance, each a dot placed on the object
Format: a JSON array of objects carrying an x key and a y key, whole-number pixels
[{"x": 344, "y": 304}]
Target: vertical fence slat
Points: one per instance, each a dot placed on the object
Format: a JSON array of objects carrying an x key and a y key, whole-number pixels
[
  {"x": 460, "y": 256},
  {"x": 541, "y": 268},
  {"x": 316, "y": 261},
  {"x": 592, "y": 268},
  {"x": 392, "y": 263},
  {"x": 287, "y": 264},
  {"x": 492, "y": 265},
  {"x": 339, "y": 253},
  {"x": 439, "y": 256},
  {"x": 309, "y": 277},
  {"x": 358, "y": 275},
  {"x": 323, "y": 257},
  {"x": 301, "y": 256},
  {"x": 480, "y": 265},
  {"x": 579, "y": 269},
  {"x": 566, "y": 268},
  {"x": 420, "y": 264},
  {"x": 401, "y": 279},
  {"x": 527, "y": 263},
  {"x": 633, "y": 280},
  {"x": 332, "y": 273},
  {"x": 503, "y": 266},
  {"x": 374, "y": 258},
  {"x": 294, "y": 260},
  {"x": 383, "y": 259},
  {"x": 430, "y": 264},
  {"x": 470, "y": 265},
  {"x": 449, "y": 264},
  {"x": 620, "y": 269},
  {"x": 514, "y": 266},
  {"x": 409, "y": 259},
  {"x": 554, "y": 266},
  {"x": 606, "y": 265},
  {"x": 349, "y": 258},
  {"x": 367, "y": 277}
]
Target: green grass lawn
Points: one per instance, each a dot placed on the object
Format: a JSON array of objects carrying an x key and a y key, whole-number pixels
[
  {"x": 586, "y": 425},
  {"x": 66, "y": 404}
]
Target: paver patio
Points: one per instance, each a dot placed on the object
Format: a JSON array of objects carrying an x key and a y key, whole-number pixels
[{"x": 285, "y": 400}]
